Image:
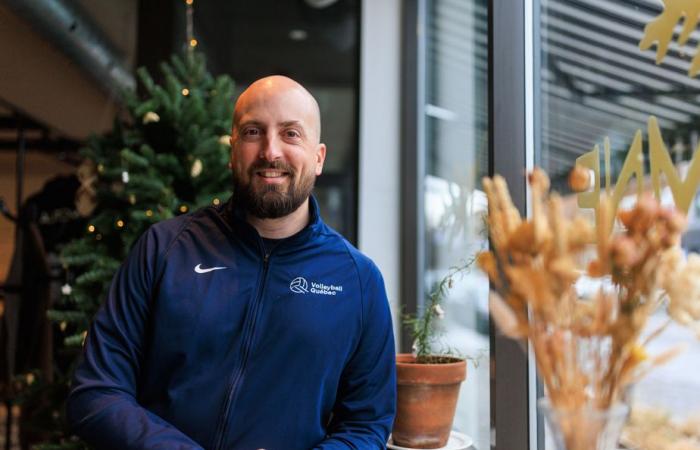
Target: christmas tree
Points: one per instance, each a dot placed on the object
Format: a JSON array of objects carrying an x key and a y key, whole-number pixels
[{"x": 166, "y": 155}]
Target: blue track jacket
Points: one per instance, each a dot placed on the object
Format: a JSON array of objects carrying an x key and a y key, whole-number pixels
[{"x": 206, "y": 341}]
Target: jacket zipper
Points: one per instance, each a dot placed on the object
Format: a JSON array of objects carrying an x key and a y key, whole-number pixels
[{"x": 247, "y": 344}]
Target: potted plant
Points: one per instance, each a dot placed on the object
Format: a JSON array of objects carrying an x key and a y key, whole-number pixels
[{"x": 428, "y": 383}]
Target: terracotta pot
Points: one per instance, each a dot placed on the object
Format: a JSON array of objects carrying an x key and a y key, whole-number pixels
[{"x": 426, "y": 403}]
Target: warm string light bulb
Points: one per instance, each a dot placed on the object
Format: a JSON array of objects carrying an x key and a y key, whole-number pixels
[
  {"x": 120, "y": 223},
  {"x": 183, "y": 208},
  {"x": 185, "y": 92},
  {"x": 149, "y": 213},
  {"x": 216, "y": 201},
  {"x": 91, "y": 228},
  {"x": 189, "y": 31}
]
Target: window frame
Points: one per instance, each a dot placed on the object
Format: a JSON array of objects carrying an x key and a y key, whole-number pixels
[{"x": 515, "y": 424}]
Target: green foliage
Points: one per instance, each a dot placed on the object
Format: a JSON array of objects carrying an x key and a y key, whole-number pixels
[
  {"x": 145, "y": 172},
  {"x": 424, "y": 327}
]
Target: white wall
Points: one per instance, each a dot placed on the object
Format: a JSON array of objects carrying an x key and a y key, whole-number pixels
[{"x": 379, "y": 177}]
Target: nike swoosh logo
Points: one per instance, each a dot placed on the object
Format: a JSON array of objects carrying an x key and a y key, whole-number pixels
[{"x": 198, "y": 269}]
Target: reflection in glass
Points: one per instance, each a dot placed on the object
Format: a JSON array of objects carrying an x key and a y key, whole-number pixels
[
  {"x": 594, "y": 82},
  {"x": 456, "y": 129}
]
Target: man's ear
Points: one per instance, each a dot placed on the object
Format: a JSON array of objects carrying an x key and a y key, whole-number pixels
[{"x": 320, "y": 158}]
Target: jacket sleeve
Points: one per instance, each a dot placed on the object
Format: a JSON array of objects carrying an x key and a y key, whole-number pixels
[
  {"x": 102, "y": 408},
  {"x": 366, "y": 404}
]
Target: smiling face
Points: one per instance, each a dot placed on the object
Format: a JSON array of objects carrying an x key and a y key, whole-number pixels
[{"x": 275, "y": 150}]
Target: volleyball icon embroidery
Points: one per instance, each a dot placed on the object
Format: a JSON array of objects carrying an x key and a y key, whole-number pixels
[{"x": 299, "y": 285}]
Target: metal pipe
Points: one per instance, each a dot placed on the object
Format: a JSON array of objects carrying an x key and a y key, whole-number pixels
[{"x": 73, "y": 32}]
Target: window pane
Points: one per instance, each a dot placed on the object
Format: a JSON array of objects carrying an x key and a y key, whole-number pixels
[
  {"x": 596, "y": 83},
  {"x": 456, "y": 148}
]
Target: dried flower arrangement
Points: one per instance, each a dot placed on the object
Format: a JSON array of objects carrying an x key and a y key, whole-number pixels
[
  {"x": 588, "y": 351},
  {"x": 652, "y": 429}
]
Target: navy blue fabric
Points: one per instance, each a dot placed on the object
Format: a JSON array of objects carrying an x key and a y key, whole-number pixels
[{"x": 293, "y": 350}]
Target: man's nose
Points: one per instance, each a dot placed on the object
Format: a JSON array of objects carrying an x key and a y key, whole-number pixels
[{"x": 272, "y": 149}]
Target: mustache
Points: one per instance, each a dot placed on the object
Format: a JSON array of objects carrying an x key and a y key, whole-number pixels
[{"x": 273, "y": 165}]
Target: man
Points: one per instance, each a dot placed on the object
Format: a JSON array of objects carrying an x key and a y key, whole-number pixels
[{"x": 246, "y": 326}]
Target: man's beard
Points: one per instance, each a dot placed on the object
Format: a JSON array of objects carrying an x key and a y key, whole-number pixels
[{"x": 271, "y": 201}]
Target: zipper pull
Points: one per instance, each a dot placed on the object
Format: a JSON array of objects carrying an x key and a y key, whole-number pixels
[{"x": 266, "y": 258}]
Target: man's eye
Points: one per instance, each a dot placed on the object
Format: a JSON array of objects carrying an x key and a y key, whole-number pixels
[
  {"x": 293, "y": 134},
  {"x": 251, "y": 132}
]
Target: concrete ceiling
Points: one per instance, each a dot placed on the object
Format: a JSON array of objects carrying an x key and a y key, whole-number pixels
[
  {"x": 40, "y": 81},
  {"x": 249, "y": 39},
  {"x": 243, "y": 39}
]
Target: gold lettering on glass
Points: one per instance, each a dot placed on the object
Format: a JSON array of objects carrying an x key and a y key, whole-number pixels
[
  {"x": 660, "y": 30},
  {"x": 660, "y": 163}
]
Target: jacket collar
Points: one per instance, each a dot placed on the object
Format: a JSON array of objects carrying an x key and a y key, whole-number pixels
[{"x": 235, "y": 216}]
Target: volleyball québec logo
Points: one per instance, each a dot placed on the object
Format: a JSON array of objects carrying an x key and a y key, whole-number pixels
[{"x": 300, "y": 285}]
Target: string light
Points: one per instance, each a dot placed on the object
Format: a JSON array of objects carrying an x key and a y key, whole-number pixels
[
  {"x": 98, "y": 236},
  {"x": 183, "y": 208},
  {"x": 216, "y": 201},
  {"x": 185, "y": 92},
  {"x": 149, "y": 213},
  {"x": 189, "y": 31},
  {"x": 120, "y": 223},
  {"x": 91, "y": 228},
  {"x": 63, "y": 326}
]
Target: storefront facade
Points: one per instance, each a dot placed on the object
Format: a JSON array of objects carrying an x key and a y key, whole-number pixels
[{"x": 500, "y": 87}]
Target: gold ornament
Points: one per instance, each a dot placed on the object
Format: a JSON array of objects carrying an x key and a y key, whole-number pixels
[
  {"x": 225, "y": 140},
  {"x": 86, "y": 195},
  {"x": 196, "y": 168},
  {"x": 150, "y": 117},
  {"x": 660, "y": 30}
]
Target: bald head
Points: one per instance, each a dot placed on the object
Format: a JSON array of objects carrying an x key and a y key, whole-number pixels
[
  {"x": 276, "y": 153},
  {"x": 278, "y": 89}
]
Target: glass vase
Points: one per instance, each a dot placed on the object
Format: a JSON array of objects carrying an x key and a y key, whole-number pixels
[{"x": 585, "y": 428}]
